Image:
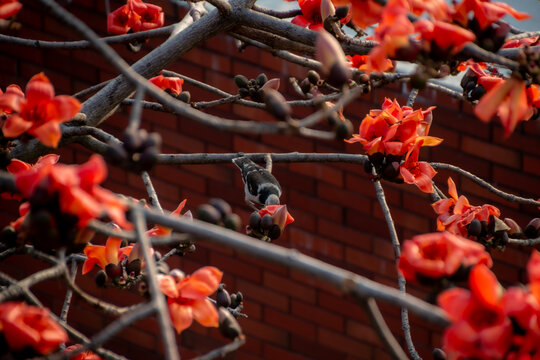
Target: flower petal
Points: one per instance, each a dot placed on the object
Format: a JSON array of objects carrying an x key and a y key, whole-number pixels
[
  {"x": 205, "y": 313},
  {"x": 181, "y": 316}
]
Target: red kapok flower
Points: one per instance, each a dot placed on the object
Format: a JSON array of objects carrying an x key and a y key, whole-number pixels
[
  {"x": 102, "y": 256},
  {"x": 364, "y": 12},
  {"x": 40, "y": 113},
  {"x": 439, "y": 254},
  {"x": 311, "y": 14},
  {"x": 480, "y": 328},
  {"x": 187, "y": 298},
  {"x": 485, "y": 12},
  {"x": 508, "y": 98},
  {"x": 456, "y": 213},
  {"x": 136, "y": 16},
  {"x": 24, "y": 325},
  {"x": 417, "y": 172},
  {"x": 8, "y": 8},
  {"x": 360, "y": 62},
  {"x": 85, "y": 355},
  {"x": 172, "y": 84},
  {"x": 447, "y": 36},
  {"x": 18, "y": 166},
  {"x": 159, "y": 230},
  {"x": 279, "y": 213},
  {"x": 78, "y": 189}
]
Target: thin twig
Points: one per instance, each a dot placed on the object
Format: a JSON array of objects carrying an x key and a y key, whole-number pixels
[
  {"x": 405, "y": 325},
  {"x": 345, "y": 281},
  {"x": 152, "y": 195},
  {"x": 486, "y": 185},
  {"x": 158, "y": 300},
  {"x": 524, "y": 242},
  {"x": 382, "y": 329},
  {"x": 69, "y": 294}
]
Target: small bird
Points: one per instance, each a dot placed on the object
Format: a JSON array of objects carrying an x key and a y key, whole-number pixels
[{"x": 261, "y": 187}]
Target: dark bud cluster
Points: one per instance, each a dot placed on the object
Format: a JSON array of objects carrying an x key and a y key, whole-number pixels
[
  {"x": 493, "y": 233},
  {"x": 492, "y": 37},
  {"x": 138, "y": 152},
  {"x": 229, "y": 308},
  {"x": 386, "y": 166},
  {"x": 122, "y": 275},
  {"x": 263, "y": 227},
  {"x": 219, "y": 212},
  {"x": 251, "y": 88},
  {"x": 46, "y": 227}
]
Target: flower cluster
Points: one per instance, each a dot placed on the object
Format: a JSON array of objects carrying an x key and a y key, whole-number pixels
[
  {"x": 39, "y": 113},
  {"x": 438, "y": 255},
  {"x": 268, "y": 223},
  {"x": 25, "y": 326},
  {"x": 312, "y": 15},
  {"x": 62, "y": 199},
  {"x": 135, "y": 16},
  {"x": 172, "y": 85},
  {"x": 187, "y": 297},
  {"x": 491, "y": 323},
  {"x": 85, "y": 355},
  {"x": 394, "y": 133},
  {"x": 456, "y": 214}
]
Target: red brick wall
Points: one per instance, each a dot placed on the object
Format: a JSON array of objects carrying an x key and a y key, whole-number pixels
[{"x": 338, "y": 219}]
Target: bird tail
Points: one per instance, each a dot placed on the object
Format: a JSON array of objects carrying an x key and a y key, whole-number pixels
[{"x": 242, "y": 162}]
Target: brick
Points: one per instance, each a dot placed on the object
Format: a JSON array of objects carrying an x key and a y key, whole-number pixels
[
  {"x": 231, "y": 265},
  {"x": 314, "y": 349},
  {"x": 273, "y": 352},
  {"x": 290, "y": 323},
  {"x": 263, "y": 295},
  {"x": 369, "y": 262},
  {"x": 531, "y": 165},
  {"x": 362, "y": 332},
  {"x": 344, "y": 198},
  {"x": 324, "y": 173},
  {"x": 344, "y": 234},
  {"x": 291, "y": 288},
  {"x": 317, "y": 315},
  {"x": 491, "y": 152},
  {"x": 315, "y": 206},
  {"x": 306, "y": 240},
  {"x": 265, "y": 332},
  {"x": 516, "y": 180},
  {"x": 342, "y": 343}
]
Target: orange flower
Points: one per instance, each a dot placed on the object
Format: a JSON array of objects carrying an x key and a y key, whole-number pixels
[
  {"x": 102, "y": 256},
  {"x": 456, "y": 213},
  {"x": 311, "y": 14},
  {"x": 85, "y": 355},
  {"x": 279, "y": 213},
  {"x": 480, "y": 329},
  {"x": 9, "y": 8},
  {"x": 448, "y": 37},
  {"x": 438, "y": 9},
  {"x": 439, "y": 254},
  {"x": 135, "y": 16},
  {"x": 360, "y": 62},
  {"x": 159, "y": 230},
  {"x": 485, "y": 12},
  {"x": 40, "y": 113},
  {"x": 530, "y": 41},
  {"x": 13, "y": 92},
  {"x": 392, "y": 33},
  {"x": 394, "y": 129},
  {"x": 78, "y": 189},
  {"x": 187, "y": 298},
  {"x": 18, "y": 166},
  {"x": 508, "y": 98},
  {"x": 364, "y": 12},
  {"x": 415, "y": 172},
  {"x": 24, "y": 325},
  {"x": 172, "y": 84}
]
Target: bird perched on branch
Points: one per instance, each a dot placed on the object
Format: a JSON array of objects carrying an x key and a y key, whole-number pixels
[{"x": 260, "y": 186}]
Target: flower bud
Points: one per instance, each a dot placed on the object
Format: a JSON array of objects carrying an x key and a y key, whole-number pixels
[
  {"x": 221, "y": 205},
  {"x": 177, "y": 274},
  {"x": 342, "y": 12},
  {"x": 261, "y": 79},
  {"x": 313, "y": 77},
  {"x": 272, "y": 84},
  {"x": 228, "y": 326},
  {"x": 266, "y": 222},
  {"x": 276, "y": 104},
  {"x": 474, "y": 228},
  {"x": 515, "y": 229},
  {"x": 255, "y": 221},
  {"x": 327, "y": 9},
  {"x": 344, "y": 130},
  {"x": 134, "y": 267},
  {"x": 222, "y": 297},
  {"x": 185, "y": 96},
  {"x": 236, "y": 300},
  {"x": 333, "y": 61},
  {"x": 233, "y": 222},
  {"x": 8, "y": 236},
  {"x": 274, "y": 233},
  {"x": 241, "y": 81},
  {"x": 438, "y": 354},
  {"x": 532, "y": 230},
  {"x": 114, "y": 270},
  {"x": 208, "y": 213},
  {"x": 101, "y": 278}
]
